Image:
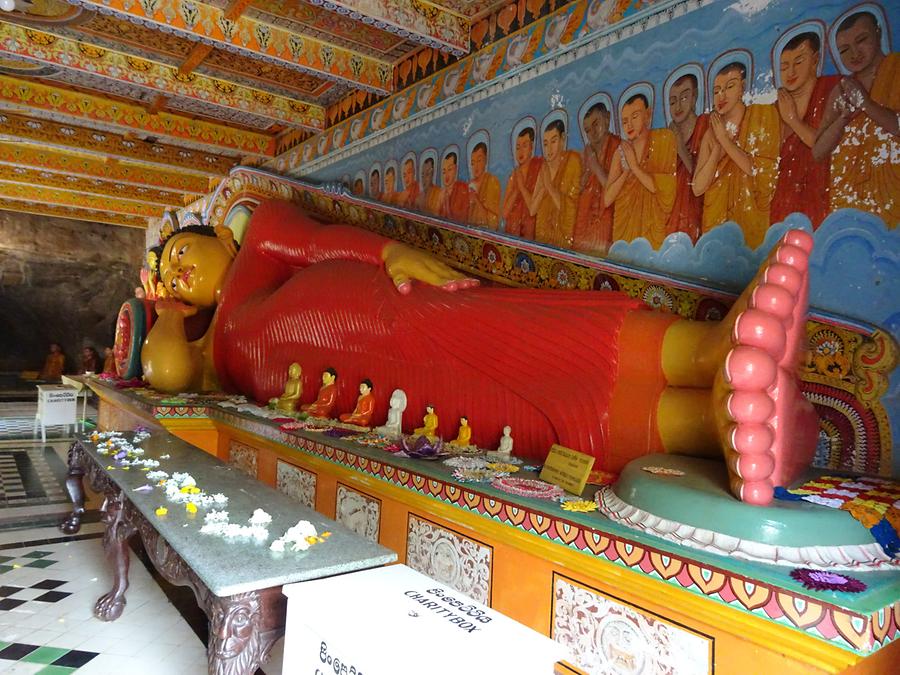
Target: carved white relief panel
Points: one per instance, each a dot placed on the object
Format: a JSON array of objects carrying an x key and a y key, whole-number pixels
[
  {"x": 359, "y": 512},
  {"x": 243, "y": 457},
  {"x": 452, "y": 559},
  {"x": 611, "y": 638},
  {"x": 296, "y": 483}
]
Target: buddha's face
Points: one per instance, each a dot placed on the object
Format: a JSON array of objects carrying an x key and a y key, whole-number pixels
[
  {"x": 859, "y": 44},
  {"x": 192, "y": 268},
  {"x": 798, "y": 66},
  {"x": 294, "y": 371}
]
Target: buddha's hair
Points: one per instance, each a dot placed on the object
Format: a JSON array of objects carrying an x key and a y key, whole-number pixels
[
  {"x": 688, "y": 77},
  {"x": 190, "y": 229},
  {"x": 368, "y": 383},
  {"x": 638, "y": 97},
  {"x": 556, "y": 125},
  {"x": 599, "y": 107},
  {"x": 734, "y": 66},
  {"x": 854, "y": 19},
  {"x": 815, "y": 43},
  {"x": 527, "y": 131}
]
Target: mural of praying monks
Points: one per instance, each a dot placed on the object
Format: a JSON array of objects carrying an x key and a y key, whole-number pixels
[
  {"x": 738, "y": 161},
  {"x": 410, "y": 194},
  {"x": 555, "y": 199},
  {"x": 359, "y": 184},
  {"x": 454, "y": 192},
  {"x": 520, "y": 187},
  {"x": 593, "y": 222},
  {"x": 684, "y": 101},
  {"x": 642, "y": 177},
  {"x": 802, "y": 95},
  {"x": 429, "y": 199},
  {"x": 861, "y": 126},
  {"x": 484, "y": 195}
]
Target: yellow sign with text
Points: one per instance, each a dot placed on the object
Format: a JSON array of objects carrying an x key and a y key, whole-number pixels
[{"x": 567, "y": 468}]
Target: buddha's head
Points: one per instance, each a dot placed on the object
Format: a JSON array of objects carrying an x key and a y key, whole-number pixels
[
  {"x": 192, "y": 266},
  {"x": 329, "y": 375},
  {"x": 294, "y": 371}
]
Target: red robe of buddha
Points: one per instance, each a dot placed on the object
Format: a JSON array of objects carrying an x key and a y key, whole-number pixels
[
  {"x": 687, "y": 213},
  {"x": 802, "y": 181},
  {"x": 318, "y": 294}
]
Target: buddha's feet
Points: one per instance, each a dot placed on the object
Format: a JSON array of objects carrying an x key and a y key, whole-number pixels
[{"x": 767, "y": 428}]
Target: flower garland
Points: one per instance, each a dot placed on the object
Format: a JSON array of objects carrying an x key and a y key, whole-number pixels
[
  {"x": 819, "y": 580},
  {"x": 527, "y": 487}
]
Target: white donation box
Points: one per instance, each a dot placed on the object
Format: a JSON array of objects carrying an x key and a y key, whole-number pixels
[
  {"x": 56, "y": 405},
  {"x": 395, "y": 621}
]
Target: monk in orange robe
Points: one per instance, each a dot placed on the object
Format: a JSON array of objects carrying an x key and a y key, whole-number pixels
[
  {"x": 410, "y": 194},
  {"x": 738, "y": 161},
  {"x": 455, "y": 193},
  {"x": 802, "y": 180},
  {"x": 326, "y": 398},
  {"x": 53, "y": 364},
  {"x": 365, "y": 406},
  {"x": 390, "y": 194},
  {"x": 861, "y": 126},
  {"x": 520, "y": 187},
  {"x": 688, "y": 127},
  {"x": 642, "y": 181},
  {"x": 484, "y": 200},
  {"x": 593, "y": 220},
  {"x": 375, "y": 184},
  {"x": 555, "y": 198},
  {"x": 429, "y": 199}
]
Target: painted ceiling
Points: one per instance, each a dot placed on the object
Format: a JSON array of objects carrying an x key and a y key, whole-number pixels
[{"x": 114, "y": 110}]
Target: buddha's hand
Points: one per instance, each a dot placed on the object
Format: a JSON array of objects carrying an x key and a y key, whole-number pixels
[
  {"x": 174, "y": 307},
  {"x": 405, "y": 264}
]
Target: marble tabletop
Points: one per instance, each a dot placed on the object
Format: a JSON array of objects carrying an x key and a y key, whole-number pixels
[{"x": 229, "y": 566}]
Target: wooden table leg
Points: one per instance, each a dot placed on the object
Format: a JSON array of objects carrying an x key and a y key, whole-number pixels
[
  {"x": 117, "y": 514},
  {"x": 242, "y": 630},
  {"x": 75, "y": 488}
]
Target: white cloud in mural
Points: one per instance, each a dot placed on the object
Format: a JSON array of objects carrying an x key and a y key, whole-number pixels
[{"x": 749, "y": 7}]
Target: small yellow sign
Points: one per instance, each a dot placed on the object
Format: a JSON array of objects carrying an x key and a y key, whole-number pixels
[{"x": 567, "y": 468}]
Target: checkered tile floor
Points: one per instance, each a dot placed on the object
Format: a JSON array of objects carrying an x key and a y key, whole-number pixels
[
  {"x": 17, "y": 421},
  {"x": 31, "y": 476}
]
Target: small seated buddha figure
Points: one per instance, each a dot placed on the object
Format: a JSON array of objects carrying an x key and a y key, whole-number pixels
[
  {"x": 430, "y": 421},
  {"x": 293, "y": 390},
  {"x": 365, "y": 406},
  {"x": 392, "y": 428},
  {"x": 506, "y": 441},
  {"x": 464, "y": 436},
  {"x": 327, "y": 397}
]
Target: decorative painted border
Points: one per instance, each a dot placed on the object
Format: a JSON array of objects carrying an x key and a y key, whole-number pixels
[
  {"x": 862, "y": 634},
  {"x": 73, "y": 213},
  {"x": 40, "y": 194}
]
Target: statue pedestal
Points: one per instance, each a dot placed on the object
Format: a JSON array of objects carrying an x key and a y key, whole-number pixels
[{"x": 686, "y": 500}]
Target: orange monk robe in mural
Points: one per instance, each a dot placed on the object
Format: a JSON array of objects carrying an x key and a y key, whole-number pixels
[
  {"x": 484, "y": 198},
  {"x": 410, "y": 194},
  {"x": 865, "y": 173},
  {"x": 429, "y": 194},
  {"x": 593, "y": 222},
  {"x": 738, "y": 162},
  {"x": 641, "y": 184},
  {"x": 687, "y": 210},
  {"x": 455, "y": 193},
  {"x": 555, "y": 199},
  {"x": 520, "y": 187}
]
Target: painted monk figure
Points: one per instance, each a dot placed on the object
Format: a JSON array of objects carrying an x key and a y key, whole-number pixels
[
  {"x": 802, "y": 180},
  {"x": 429, "y": 199},
  {"x": 454, "y": 193},
  {"x": 642, "y": 180},
  {"x": 554, "y": 202},
  {"x": 390, "y": 194},
  {"x": 593, "y": 222},
  {"x": 53, "y": 364},
  {"x": 630, "y": 377},
  {"x": 365, "y": 406},
  {"x": 326, "y": 398},
  {"x": 375, "y": 184},
  {"x": 738, "y": 162},
  {"x": 520, "y": 187},
  {"x": 688, "y": 127},
  {"x": 484, "y": 188},
  {"x": 410, "y": 195},
  {"x": 861, "y": 126}
]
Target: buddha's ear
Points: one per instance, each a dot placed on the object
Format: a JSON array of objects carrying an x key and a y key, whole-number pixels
[{"x": 225, "y": 235}]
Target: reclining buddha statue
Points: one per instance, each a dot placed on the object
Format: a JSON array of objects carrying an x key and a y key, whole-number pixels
[{"x": 598, "y": 372}]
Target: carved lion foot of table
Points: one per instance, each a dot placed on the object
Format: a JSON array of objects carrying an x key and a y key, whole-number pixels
[{"x": 110, "y": 606}]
